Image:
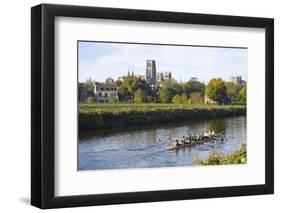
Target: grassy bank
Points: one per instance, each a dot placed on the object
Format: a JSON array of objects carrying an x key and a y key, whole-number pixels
[
  {"x": 237, "y": 157},
  {"x": 100, "y": 116}
]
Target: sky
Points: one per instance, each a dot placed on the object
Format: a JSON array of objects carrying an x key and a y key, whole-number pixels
[{"x": 98, "y": 60}]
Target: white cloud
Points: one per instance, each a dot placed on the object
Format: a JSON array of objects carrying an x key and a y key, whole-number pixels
[{"x": 183, "y": 61}]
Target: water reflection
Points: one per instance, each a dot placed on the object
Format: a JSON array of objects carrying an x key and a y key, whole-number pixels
[
  {"x": 149, "y": 146},
  {"x": 217, "y": 125}
]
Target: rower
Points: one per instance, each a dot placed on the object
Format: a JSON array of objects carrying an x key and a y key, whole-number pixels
[
  {"x": 183, "y": 139},
  {"x": 193, "y": 137},
  {"x": 190, "y": 138},
  {"x": 202, "y": 135},
  {"x": 197, "y": 136},
  {"x": 206, "y": 135}
]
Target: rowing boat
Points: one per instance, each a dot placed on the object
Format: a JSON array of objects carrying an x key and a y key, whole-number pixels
[{"x": 178, "y": 144}]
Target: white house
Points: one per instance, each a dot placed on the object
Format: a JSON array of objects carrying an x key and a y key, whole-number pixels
[{"x": 103, "y": 92}]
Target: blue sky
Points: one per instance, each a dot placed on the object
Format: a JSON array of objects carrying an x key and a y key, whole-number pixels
[{"x": 99, "y": 60}]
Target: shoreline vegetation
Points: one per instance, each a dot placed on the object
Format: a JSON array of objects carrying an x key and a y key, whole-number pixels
[
  {"x": 105, "y": 115},
  {"x": 237, "y": 157}
]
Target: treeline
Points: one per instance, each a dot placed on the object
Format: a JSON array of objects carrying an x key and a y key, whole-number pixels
[{"x": 134, "y": 90}]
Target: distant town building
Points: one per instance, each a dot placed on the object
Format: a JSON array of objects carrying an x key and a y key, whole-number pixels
[
  {"x": 163, "y": 76},
  {"x": 236, "y": 79},
  {"x": 159, "y": 76},
  {"x": 150, "y": 74},
  {"x": 103, "y": 92},
  {"x": 193, "y": 79},
  {"x": 207, "y": 100},
  {"x": 167, "y": 76},
  {"x": 130, "y": 73},
  {"x": 109, "y": 81}
]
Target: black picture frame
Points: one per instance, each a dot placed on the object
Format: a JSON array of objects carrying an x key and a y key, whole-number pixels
[{"x": 43, "y": 117}]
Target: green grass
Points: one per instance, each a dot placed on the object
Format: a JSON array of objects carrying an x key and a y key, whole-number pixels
[
  {"x": 99, "y": 116},
  {"x": 149, "y": 107}
]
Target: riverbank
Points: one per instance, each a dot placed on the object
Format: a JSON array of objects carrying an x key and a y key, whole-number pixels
[
  {"x": 237, "y": 157},
  {"x": 104, "y": 116}
]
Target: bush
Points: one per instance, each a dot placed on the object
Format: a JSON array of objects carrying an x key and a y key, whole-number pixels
[
  {"x": 237, "y": 157},
  {"x": 242, "y": 97},
  {"x": 176, "y": 99},
  {"x": 166, "y": 95},
  {"x": 90, "y": 100},
  {"x": 184, "y": 99},
  {"x": 195, "y": 98},
  {"x": 139, "y": 96}
]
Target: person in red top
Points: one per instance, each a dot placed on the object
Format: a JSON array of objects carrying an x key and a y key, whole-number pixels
[{"x": 202, "y": 135}]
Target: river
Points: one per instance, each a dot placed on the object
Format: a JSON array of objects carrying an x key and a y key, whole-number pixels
[{"x": 147, "y": 147}]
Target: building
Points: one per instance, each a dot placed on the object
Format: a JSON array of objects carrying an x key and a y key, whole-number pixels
[
  {"x": 109, "y": 81},
  {"x": 159, "y": 76},
  {"x": 104, "y": 92},
  {"x": 167, "y": 76},
  {"x": 163, "y": 76},
  {"x": 193, "y": 79},
  {"x": 150, "y": 74},
  {"x": 236, "y": 79},
  {"x": 207, "y": 100},
  {"x": 225, "y": 100}
]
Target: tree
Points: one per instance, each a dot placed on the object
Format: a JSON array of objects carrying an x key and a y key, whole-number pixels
[
  {"x": 194, "y": 86},
  {"x": 139, "y": 96},
  {"x": 167, "y": 84},
  {"x": 171, "y": 84},
  {"x": 176, "y": 99},
  {"x": 216, "y": 90},
  {"x": 166, "y": 95},
  {"x": 242, "y": 97},
  {"x": 178, "y": 88},
  {"x": 123, "y": 91},
  {"x": 151, "y": 99},
  {"x": 129, "y": 86},
  {"x": 133, "y": 84},
  {"x": 195, "y": 98},
  {"x": 184, "y": 98},
  {"x": 89, "y": 85},
  {"x": 90, "y": 100},
  {"x": 118, "y": 83},
  {"x": 232, "y": 91}
]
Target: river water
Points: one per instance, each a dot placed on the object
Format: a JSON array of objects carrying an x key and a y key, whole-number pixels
[{"x": 147, "y": 147}]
